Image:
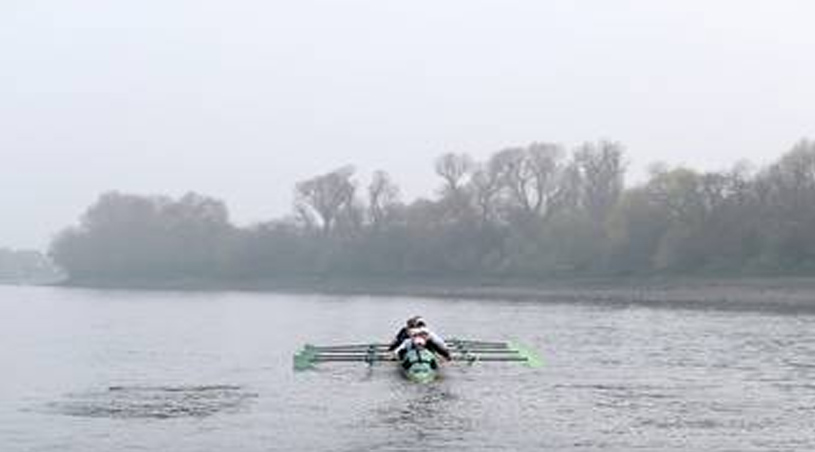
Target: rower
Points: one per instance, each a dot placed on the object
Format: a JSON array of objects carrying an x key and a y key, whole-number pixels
[
  {"x": 421, "y": 336},
  {"x": 416, "y": 349},
  {"x": 433, "y": 342},
  {"x": 403, "y": 333}
]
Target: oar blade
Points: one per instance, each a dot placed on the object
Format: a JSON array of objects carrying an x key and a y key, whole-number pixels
[
  {"x": 532, "y": 359},
  {"x": 303, "y": 361}
]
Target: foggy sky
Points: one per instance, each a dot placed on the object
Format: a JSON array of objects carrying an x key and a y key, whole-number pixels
[{"x": 241, "y": 99}]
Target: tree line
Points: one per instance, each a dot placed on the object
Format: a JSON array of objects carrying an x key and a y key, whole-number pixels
[
  {"x": 26, "y": 266},
  {"x": 526, "y": 212}
]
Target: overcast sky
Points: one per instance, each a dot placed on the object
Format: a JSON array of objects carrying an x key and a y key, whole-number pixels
[{"x": 240, "y": 99}]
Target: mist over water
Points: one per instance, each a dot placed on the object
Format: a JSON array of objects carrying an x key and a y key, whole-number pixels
[{"x": 128, "y": 371}]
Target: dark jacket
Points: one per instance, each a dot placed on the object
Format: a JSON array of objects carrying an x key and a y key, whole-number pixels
[
  {"x": 438, "y": 349},
  {"x": 400, "y": 337}
]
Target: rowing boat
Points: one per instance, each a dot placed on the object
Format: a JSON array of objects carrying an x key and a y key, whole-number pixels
[{"x": 421, "y": 370}]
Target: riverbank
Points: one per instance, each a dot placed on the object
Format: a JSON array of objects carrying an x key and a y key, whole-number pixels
[{"x": 782, "y": 294}]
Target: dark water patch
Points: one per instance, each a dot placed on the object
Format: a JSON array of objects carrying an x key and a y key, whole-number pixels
[
  {"x": 683, "y": 424},
  {"x": 431, "y": 408},
  {"x": 154, "y": 402}
]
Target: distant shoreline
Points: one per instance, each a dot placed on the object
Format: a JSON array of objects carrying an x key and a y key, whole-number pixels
[{"x": 778, "y": 294}]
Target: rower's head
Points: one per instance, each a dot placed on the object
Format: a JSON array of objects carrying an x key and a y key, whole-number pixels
[
  {"x": 419, "y": 340},
  {"x": 419, "y": 336},
  {"x": 414, "y": 321},
  {"x": 420, "y": 333}
]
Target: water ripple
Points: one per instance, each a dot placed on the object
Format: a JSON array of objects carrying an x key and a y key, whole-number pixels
[{"x": 153, "y": 402}]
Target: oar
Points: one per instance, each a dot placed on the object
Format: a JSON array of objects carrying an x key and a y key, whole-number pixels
[
  {"x": 352, "y": 358},
  {"x": 509, "y": 359},
  {"x": 385, "y": 358},
  {"x": 476, "y": 348},
  {"x": 371, "y": 350},
  {"x": 476, "y": 343},
  {"x": 485, "y": 351},
  {"x": 469, "y": 359},
  {"x": 307, "y": 361},
  {"x": 303, "y": 362},
  {"x": 389, "y": 358},
  {"x": 465, "y": 342},
  {"x": 310, "y": 349},
  {"x": 346, "y": 347},
  {"x": 494, "y": 351},
  {"x": 374, "y": 356},
  {"x": 351, "y": 355},
  {"x": 463, "y": 350}
]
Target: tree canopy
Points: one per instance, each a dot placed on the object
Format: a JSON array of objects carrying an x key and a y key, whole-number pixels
[{"x": 532, "y": 211}]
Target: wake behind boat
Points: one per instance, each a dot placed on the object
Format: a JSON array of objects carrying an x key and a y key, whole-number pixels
[{"x": 419, "y": 364}]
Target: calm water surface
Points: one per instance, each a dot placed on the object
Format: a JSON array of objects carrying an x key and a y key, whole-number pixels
[{"x": 133, "y": 371}]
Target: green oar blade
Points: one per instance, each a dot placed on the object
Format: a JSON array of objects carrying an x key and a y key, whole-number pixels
[
  {"x": 532, "y": 358},
  {"x": 303, "y": 361}
]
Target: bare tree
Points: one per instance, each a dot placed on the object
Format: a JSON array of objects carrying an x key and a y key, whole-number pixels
[
  {"x": 601, "y": 169},
  {"x": 531, "y": 175},
  {"x": 327, "y": 196},
  {"x": 454, "y": 169},
  {"x": 486, "y": 186},
  {"x": 383, "y": 194}
]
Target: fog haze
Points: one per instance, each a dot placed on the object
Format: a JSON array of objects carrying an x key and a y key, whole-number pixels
[{"x": 240, "y": 100}]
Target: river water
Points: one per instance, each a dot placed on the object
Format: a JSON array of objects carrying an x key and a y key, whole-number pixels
[{"x": 86, "y": 370}]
